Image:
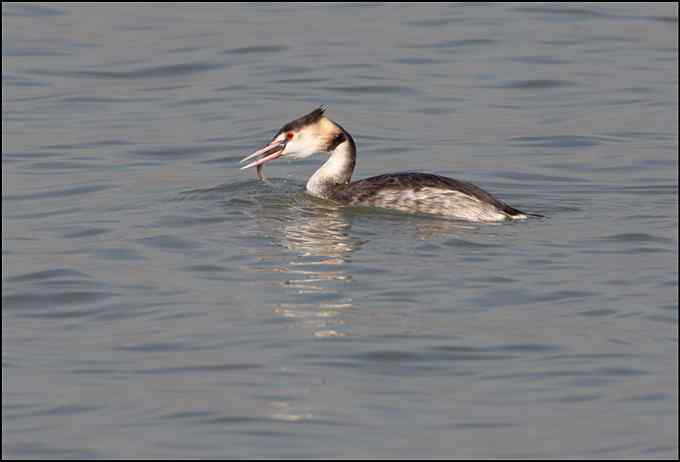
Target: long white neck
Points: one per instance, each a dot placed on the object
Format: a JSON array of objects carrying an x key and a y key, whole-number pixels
[{"x": 337, "y": 170}]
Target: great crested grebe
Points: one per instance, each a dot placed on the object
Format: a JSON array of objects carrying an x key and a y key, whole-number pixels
[{"x": 406, "y": 192}]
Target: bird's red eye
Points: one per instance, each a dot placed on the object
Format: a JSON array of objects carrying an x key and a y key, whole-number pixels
[{"x": 290, "y": 135}]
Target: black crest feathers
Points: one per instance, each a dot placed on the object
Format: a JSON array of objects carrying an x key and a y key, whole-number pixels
[{"x": 305, "y": 120}]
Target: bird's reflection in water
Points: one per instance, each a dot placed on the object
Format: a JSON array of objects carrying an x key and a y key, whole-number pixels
[
  {"x": 317, "y": 235},
  {"x": 428, "y": 229},
  {"x": 318, "y": 242}
]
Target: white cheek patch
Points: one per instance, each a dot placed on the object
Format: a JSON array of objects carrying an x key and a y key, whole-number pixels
[{"x": 302, "y": 146}]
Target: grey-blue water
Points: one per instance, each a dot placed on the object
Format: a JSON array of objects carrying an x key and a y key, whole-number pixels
[{"x": 159, "y": 302}]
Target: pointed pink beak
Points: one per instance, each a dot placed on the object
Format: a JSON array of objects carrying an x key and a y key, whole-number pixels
[{"x": 270, "y": 152}]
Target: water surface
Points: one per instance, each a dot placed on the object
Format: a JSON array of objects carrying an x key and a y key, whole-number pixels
[{"x": 159, "y": 302}]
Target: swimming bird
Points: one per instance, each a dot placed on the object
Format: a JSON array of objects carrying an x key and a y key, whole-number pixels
[{"x": 406, "y": 192}]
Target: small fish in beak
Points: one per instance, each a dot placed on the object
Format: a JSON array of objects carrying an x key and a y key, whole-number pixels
[{"x": 270, "y": 152}]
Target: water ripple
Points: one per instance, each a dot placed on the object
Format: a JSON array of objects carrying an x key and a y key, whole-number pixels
[
  {"x": 637, "y": 237},
  {"x": 263, "y": 49},
  {"x": 459, "y": 44},
  {"x": 41, "y": 304},
  {"x": 568, "y": 13},
  {"x": 57, "y": 273},
  {"x": 198, "y": 368},
  {"x": 537, "y": 84},
  {"x": 372, "y": 89},
  {"x": 74, "y": 191},
  {"x": 149, "y": 72},
  {"x": 557, "y": 141}
]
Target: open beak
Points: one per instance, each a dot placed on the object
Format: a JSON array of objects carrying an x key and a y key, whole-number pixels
[{"x": 270, "y": 152}]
